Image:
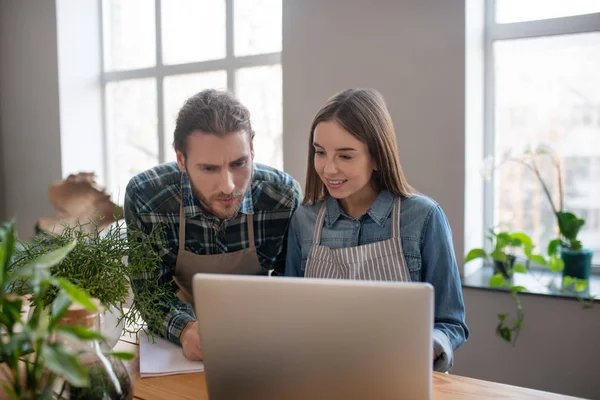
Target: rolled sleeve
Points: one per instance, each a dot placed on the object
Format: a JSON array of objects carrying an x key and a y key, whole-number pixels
[{"x": 441, "y": 270}]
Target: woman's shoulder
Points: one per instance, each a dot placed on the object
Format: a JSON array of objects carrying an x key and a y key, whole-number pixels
[{"x": 418, "y": 203}]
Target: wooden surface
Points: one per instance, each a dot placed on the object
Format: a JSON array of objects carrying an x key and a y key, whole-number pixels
[{"x": 445, "y": 386}]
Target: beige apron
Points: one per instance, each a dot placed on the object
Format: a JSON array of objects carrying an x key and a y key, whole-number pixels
[
  {"x": 382, "y": 261},
  {"x": 241, "y": 262}
]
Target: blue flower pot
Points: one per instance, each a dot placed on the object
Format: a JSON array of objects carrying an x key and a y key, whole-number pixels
[{"x": 578, "y": 263}]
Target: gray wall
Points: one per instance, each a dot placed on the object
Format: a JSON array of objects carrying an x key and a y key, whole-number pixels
[
  {"x": 557, "y": 350},
  {"x": 29, "y": 112}
]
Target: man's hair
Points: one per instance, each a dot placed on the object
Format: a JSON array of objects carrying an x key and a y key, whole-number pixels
[{"x": 213, "y": 112}]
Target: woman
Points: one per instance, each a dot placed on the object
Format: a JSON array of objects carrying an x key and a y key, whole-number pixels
[{"x": 360, "y": 219}]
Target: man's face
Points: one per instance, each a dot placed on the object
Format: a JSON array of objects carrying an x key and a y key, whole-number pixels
[{"x": 220, "y": 170}]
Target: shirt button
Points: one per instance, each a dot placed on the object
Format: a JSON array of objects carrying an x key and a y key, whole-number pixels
[{"x": 358, "y": 224}]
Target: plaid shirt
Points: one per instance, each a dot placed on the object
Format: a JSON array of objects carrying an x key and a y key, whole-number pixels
[{"x": 152, "y": 198}]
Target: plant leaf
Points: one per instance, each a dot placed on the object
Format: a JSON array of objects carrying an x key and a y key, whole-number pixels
[
  {"x": 538, "y": 259},
  {"x": 519, "y": 268},
  {"x": 6, "y": 249},
  {"x": 556, "y": 264},
  {"x": 76, "y": 294},
  {"x": 475, "y": 253},
  {"x": 64, "y": 364},
  {"x": 504, "y": 333},
  {"x": 120, "y": 355},
  {"x": 569, "y": 224},
  {"x": 79, "y": 332},
  {"x": 498, "y": 255},
  {"x": 497, "y": 281},
  {"x": 502, "y": 317},
  {"x": 522, "y": 237},
  {"x": 60, "y": 305},
  {"x": 502, "y": 239},
  {"x": 581, "y": 285},
  {"x": 553, "y": 247},
  {"x": 567, "y": 280},
  {"x": 54, "y": 257}
]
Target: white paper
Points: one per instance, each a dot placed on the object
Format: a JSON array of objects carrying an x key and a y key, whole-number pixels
[{"x": 164, "y": 358}]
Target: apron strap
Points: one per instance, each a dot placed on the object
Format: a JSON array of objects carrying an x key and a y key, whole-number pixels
[
  {"x": 250, "y": 224},
  {"x": 319, "y": 224},
  {"x": 396, "y": 218},
  {"x": 181, "y": 227}
]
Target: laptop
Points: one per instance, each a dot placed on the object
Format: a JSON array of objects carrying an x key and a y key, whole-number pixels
[{"x": 301, "y": 338}]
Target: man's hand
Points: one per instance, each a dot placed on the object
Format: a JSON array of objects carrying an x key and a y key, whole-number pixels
[{"x": 190, "y": 342}]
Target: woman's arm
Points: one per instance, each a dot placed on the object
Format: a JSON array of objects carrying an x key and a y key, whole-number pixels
[
  {"x": 293, "y": 260},
  {"x": 440, "y": 269}
]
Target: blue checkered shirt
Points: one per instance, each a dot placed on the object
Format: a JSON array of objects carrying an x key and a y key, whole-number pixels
[{"x": 152, "y": 200}]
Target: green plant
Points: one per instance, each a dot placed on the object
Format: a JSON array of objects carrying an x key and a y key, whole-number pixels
[
  {"x": 499, "y": 256},
  {"x": 33, "y": 361},
  {"x": 102, "y": 262}
]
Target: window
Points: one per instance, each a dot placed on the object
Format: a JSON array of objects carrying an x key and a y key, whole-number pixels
[
  {"x": 542, "y": 66},
  {"x": 157, "y": 53}
]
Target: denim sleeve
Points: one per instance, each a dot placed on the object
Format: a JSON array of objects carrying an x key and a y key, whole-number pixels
[
  {"x": 440, "y": 269},
  {"x": 293, "y": 261}
]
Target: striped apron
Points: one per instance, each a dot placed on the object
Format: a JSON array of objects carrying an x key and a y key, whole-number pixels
[{"x": 380, "y": 261}]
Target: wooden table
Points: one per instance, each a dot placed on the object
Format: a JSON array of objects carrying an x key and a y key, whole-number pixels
[{"x": 445, "y": 386}]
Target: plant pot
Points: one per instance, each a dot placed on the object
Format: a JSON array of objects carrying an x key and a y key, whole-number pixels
[
  {"x": 578, "y": 263},
  {"x": 109, "y": 328},
  {"x": 505, "y": 268}
]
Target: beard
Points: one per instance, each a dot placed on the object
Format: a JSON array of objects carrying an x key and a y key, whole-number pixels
[{"x": 221, "y": 211}]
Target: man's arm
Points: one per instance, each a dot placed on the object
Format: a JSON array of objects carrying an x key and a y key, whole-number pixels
[{"x": 167, "y": 316}]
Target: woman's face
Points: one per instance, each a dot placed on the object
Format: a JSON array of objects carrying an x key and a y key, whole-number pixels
[{"x": 343, "y": 162}]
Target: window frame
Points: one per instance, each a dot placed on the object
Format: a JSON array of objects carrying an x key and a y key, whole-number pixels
[
  {"x": 494, "y": 31},
  {"x": 231, "y": 63}
]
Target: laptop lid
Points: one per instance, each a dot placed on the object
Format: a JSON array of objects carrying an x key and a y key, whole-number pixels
[{"x": 301, "y": 338}]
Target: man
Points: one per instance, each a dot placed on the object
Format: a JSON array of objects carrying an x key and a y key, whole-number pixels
[{"x": 219, "y": 212}]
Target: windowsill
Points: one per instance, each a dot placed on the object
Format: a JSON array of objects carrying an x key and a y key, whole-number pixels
[{"x": 537, "y": 282}]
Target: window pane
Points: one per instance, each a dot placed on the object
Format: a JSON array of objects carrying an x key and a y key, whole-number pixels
[
  {"x": 547, "y": 91},
  {"x": 178, "y": 89},
  {"x": 129, "y": 34},
  {"x": 531, "y": 10},
  {"x": 132, "y": 131},
  {"x": 257, "y": 26},
  {"x": 193, "y": 30},
  {"x": 259, "y": 89}
]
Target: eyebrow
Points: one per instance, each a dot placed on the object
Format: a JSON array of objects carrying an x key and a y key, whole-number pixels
[
  {"x": 340, "y": 149},
  {"x": 242, "y": 158}
]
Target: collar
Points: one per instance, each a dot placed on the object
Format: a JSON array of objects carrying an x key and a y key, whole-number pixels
[
  {"x": 379, "y": 211},
  {"x": 192, "y": 207}
]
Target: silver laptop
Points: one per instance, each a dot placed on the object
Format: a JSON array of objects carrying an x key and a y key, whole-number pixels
[{"x": 302, "y": 339}]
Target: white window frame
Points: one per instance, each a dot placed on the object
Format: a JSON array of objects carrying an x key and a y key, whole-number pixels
[
  {"x": 231, "y": 63},
  {"x": 494, "y": 31}
]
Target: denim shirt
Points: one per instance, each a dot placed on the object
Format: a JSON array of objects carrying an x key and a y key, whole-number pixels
[{"x": 427, "y": 243}]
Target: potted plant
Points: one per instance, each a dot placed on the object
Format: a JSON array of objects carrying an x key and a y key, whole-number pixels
[
  {"x": 566, "y": 252},
  {"x": 505, "y": 265},
  {"x": 502, "y": 257},
  {"x": 33, "y": 362},
  {"x": 101, "y": 262}
]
